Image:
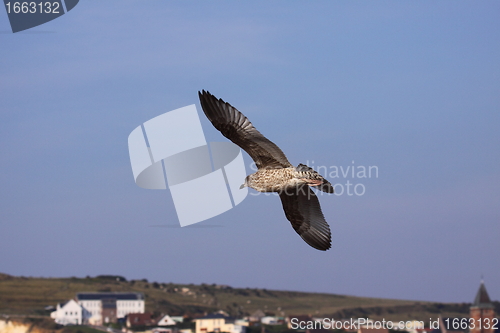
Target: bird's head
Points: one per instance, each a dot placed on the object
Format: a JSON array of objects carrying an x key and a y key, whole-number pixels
[{"x": 246, "y": 183}]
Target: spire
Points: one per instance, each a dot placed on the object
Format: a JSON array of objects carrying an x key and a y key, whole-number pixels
[{"x": 482, "y": 299}]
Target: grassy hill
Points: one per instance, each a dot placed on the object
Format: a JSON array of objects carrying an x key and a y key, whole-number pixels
[{"x": 29, "y": 296}]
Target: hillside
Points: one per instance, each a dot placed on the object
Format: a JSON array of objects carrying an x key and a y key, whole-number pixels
[{"x": 30, "y": 296}]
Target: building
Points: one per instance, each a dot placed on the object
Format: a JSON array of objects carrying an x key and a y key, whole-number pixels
[
  {"x": 69, "y": 313},
  {"x": 218, "y": 322},
  {"x": 108, "y": 307},
  {"x": 256, "y": 316},
  {"x": 166, "y": 321},
  {"x": 178, "y": 319},
  {"x": 140, "y": 319},
  {"x": 482, "y": 311},
  {"x": 270, "y": 320},
  {"x": 98, "y": 308}
]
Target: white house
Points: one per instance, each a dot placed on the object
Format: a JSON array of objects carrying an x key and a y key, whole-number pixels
[
  {"x": 108, "y": 307},
  {"x": 98, "y": 308},
  {"x": 70, "y": 313},
  {"x": 269, "y": 320},
  {"x": 166, "y": 321}
]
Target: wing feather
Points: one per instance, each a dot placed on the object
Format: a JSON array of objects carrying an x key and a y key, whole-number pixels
[
  {"x": 237, "y": 128},
  {"x": 302, "y": 209}
]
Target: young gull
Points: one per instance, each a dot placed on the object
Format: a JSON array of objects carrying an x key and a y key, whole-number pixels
[{"x": 275, "y": 173}]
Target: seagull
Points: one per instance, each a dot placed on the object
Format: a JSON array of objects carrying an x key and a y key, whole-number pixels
[{"x": 275, "y": 173}]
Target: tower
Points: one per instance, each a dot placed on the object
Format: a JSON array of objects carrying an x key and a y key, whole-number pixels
[{"x": 482, "y": 311}]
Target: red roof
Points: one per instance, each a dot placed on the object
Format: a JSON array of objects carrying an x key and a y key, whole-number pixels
[{"x": 140, "y": 319}]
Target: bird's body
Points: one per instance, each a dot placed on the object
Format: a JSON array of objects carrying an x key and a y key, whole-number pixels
[
  {"x": 271, "y": 180},
  {"x": 284, "y": 179},
  {"x": 275, "y": 173}
]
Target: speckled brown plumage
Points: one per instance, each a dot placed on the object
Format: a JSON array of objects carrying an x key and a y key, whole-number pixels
[
  {"x": 275, "y": 173},
  {"x": 278, "y": 180}
]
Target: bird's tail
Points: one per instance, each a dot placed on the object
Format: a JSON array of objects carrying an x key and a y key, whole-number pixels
[
  {"x": 325, "y": 186},
  {"x": 308, "y": 172}
]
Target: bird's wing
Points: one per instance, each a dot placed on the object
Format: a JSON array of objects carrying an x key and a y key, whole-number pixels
[
  {"x": 237, "y": 128},
  {"x": 302, "y": 209}
]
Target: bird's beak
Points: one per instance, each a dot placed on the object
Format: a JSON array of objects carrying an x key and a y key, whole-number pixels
[{"x": 242, "y": 186}]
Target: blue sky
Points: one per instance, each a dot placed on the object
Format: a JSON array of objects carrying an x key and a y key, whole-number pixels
[{"x": 410, "y": 87}]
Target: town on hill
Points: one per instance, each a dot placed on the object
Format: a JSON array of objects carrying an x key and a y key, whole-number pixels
[{"x": 111, "y": 303}]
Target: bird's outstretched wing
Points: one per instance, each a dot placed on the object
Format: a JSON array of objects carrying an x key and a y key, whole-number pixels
[
  {"x": 302, "y": 209},
  {"x": 237, "y": 128}
]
